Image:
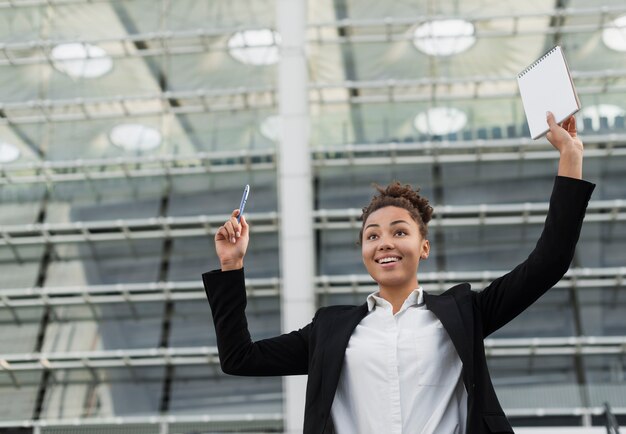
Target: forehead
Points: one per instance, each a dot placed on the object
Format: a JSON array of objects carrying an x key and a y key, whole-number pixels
[{"x": 384, "y": 216}]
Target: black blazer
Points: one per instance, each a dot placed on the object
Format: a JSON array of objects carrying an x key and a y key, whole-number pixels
[{"x": 468, "y": 316}]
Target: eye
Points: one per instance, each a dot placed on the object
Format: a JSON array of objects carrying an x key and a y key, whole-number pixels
[
  {"x": 401, "y": 233},
  {"x": 372, "y": 237}
]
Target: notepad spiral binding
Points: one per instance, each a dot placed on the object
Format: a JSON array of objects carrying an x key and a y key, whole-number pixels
[{"x": 537, "y": 62}]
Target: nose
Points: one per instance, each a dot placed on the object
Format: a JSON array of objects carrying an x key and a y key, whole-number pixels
[{"x": 385, "y": 244}]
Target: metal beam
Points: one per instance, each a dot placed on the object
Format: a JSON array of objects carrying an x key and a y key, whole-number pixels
[
  {"x": 252, "y": 98},
  {"x": 187, "y": 356},
  {"x": 335, "y": 219},
  {"x": 435, "y": 282},
  {"x": 606, "y": 145}
]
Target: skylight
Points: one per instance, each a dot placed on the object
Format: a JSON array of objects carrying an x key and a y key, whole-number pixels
[
  {"x": 135, "y": 137},
  {"x": 81, "y": 60},
  {"x": 255, "y": 47},
  {"x": 8, "y": 152},
  {"x": 614, "y": 35},
  {"x": 444, "y": 37},
  {"x": 439, "y": 121}
]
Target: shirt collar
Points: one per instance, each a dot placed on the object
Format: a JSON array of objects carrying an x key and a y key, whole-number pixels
[{"x": 416, "y": 297}]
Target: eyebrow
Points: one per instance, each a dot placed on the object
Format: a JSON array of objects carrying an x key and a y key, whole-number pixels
[{"x": 395, "y": 222}]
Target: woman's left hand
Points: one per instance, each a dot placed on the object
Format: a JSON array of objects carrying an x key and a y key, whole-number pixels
[{"x": 564, "y": 137}]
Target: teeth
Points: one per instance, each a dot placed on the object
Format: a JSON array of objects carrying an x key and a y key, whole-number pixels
[{"x": 385, "y": 260}]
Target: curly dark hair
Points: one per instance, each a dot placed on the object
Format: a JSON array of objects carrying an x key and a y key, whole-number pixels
[{"x": 402, "y": 196}]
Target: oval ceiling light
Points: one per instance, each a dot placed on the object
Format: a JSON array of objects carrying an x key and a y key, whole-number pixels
[
  {"x": 270, "y": 128},
  {"x": 255, "y": 47},
  {"x": 614, "y": 35},
  {"x": 135, "y": 137},
  {"x": 439, "y": 121},
  {"x": 81, "y": 60},
  {"x": 8, "y": 153},
  {"x": 444, "y": 37},
  {"x": 595, "y": 112}
]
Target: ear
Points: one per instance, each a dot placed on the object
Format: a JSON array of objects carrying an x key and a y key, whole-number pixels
[{"x": 425, "y": 249}]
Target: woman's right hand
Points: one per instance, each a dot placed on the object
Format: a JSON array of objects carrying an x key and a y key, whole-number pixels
[{"x": 231, "y": 242}]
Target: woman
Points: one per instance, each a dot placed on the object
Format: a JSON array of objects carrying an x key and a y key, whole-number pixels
[{"x": 405, "y": 361}]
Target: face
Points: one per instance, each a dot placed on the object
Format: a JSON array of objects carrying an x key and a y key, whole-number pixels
[{"x": 392, "y": 247}]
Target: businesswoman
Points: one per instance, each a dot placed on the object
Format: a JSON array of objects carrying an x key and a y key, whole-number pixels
[{"x": 405, "y": 361}]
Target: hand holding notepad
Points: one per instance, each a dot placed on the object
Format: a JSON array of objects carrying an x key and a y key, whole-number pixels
[{"x": 545, "y": 86}]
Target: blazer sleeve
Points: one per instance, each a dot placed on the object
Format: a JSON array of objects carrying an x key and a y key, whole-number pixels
[
  {"x": 286, "y": 354},
  {"x": 509, "y": 295}
]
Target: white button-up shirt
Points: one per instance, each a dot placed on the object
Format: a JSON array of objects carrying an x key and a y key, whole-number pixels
[{"x": 401, "y": 374}]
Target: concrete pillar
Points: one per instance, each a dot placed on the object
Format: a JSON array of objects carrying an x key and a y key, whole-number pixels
[{"x": 295, "y": 191}]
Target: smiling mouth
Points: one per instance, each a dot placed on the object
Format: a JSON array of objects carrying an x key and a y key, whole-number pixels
[{"x": 388, "y": 260}]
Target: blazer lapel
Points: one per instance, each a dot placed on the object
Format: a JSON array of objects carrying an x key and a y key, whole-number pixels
[
  {"x": 339, "y": 333},
  {"x": 446, "y": 309}
]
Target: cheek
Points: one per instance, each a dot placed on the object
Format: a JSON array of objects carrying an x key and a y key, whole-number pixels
[{"x": 366, "y": 253}]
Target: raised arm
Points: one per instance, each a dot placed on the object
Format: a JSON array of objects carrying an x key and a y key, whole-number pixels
[
  {"x": 286, "y": 354},
  {"x": 509, "y": 295},
  {"x": 565, "y": 139}
]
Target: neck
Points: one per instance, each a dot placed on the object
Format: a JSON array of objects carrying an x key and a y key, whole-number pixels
[{"x": 396, "y": 295}]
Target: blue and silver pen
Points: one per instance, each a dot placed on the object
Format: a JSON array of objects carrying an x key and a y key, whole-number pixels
[{"x": 244, "y": 199}]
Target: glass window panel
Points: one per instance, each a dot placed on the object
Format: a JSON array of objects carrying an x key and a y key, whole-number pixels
[
  {"x": 191, "y": 257},
  {"x": 128, "y": 76},
  {"x": 106, "y": 262},
  {"x": 18, "y": 396},
  {"x": 535, "y": 381},
  {"x": 609, "y": 176},
  {"x": 602, "y": 311},
  {"x": 16, "y": 275},
  {"x": 19, "y": 214},
  {"x": 551, "y": 316},
  {"x": 20, "y": 24},
  {"x": 477, "y": 248},
  {"x": 352, "y": 187},
  {"x": 104, "y": 327},
  {"x": 498, "y": 182},
  {"x": 135, "y": 428},
  {"x": 104, "y": 200},
  {"x": 606, "y": 376},
  {"x": 602, "y": 244},
  {"x": 192, "y": 14},
  {"x": 24, "y": 195},
  {"x": 220, "y": 194},
  {"x": 216, "y": 70},
  {"x": 90, "y": 139},
  {"x": 105, "y": 393},
  {"x": 192, "y": 325},
  {"x": 20, "y": 329},
  {"x": 198, "y": 390},
  {"x": 371, "y": 60}
]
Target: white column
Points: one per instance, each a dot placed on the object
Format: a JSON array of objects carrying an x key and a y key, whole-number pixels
[{"x": 294, "y": 192}]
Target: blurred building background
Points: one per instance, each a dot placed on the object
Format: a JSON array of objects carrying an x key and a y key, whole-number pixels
[{"x": 129, "y": 127}]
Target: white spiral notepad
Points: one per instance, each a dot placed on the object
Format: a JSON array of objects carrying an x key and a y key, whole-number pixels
[{"x": 547, "y": 85}]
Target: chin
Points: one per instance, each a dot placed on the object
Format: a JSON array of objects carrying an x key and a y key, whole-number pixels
[{"x": 390, "y": 281}]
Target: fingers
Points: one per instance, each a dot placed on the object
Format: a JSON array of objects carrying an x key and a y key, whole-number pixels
[
  {"x": 221, "y": 234},
  {"x": 244, "y": 226},
  {"x": 571, "y": 128},
  {"x": 231, "y": 230},
  {"x": 551, "y": 121}
]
